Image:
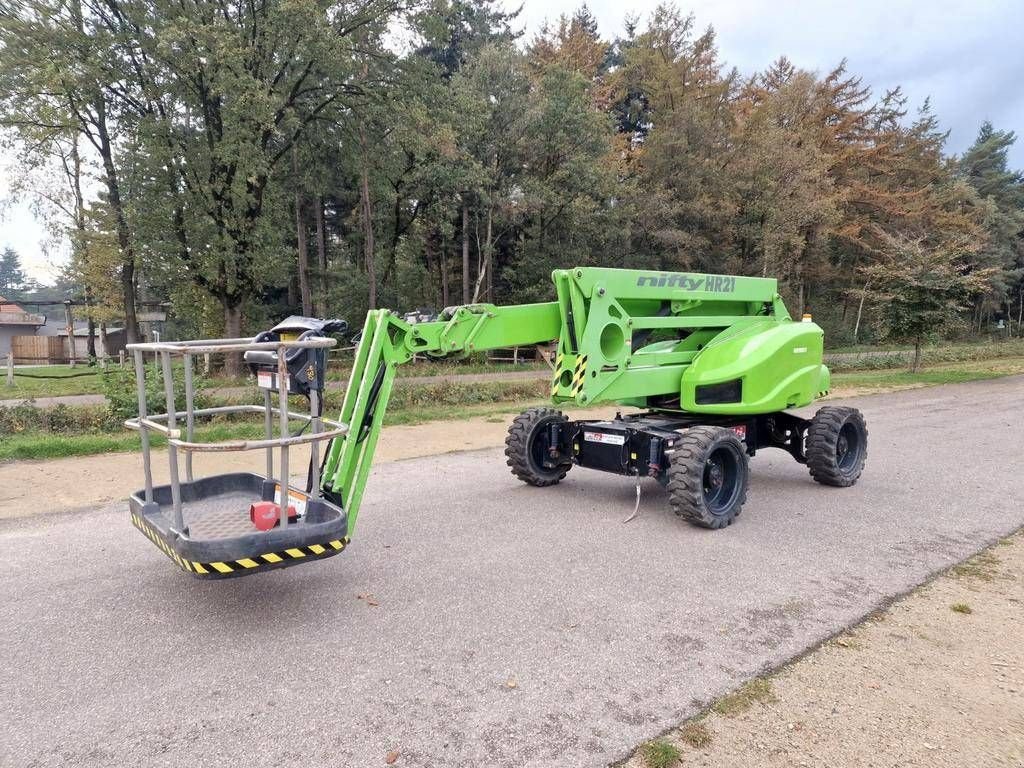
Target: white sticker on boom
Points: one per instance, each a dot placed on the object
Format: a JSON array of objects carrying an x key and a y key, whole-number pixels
[
  {"x": 604, "y": 437},
  {"x": 265, "y": 380}
]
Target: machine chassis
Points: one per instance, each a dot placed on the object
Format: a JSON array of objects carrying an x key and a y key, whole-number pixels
[{"x": 642, "y": 443}]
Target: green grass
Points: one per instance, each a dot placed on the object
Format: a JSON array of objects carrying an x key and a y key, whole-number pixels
[
  {"x": 875, "y": 358},
  {"x": 963, "y": 608},
  {"x": 696, "y": 734},
  {"x": 894, "y": 379},
  {"x": 86, "y": 380},
  {"x": 948, "y": 346},
  {"x": 660, "y": 754},
  {"x": 83, "y": 432},
  {"x": 445, "y": 368},
  {"x": 339, "y": 370},
  {"x": 45, "y": 445},
  {"x": 38, "y": 444},
  {"x": 981, "y": 567},
  {"x": 757, "y": 691},
  {"x": 70, "y": 381}
]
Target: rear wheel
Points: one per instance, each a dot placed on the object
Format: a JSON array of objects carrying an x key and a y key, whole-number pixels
[
  {"x": 707, "y": 477},
  {"x": 837, "y": 446},
  {"x": 527, "y": 447}
]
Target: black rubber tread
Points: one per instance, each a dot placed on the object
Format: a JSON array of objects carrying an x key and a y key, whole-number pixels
[
  {"x": 518, "y": 444},
  {"x": 686, "y": 476},
  {"x": 822, "y": 437}
]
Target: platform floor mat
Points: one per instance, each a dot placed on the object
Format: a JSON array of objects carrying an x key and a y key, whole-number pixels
[{"x": 223, "y": 516}]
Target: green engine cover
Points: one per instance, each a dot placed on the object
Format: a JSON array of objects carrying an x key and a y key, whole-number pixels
[{"x": 759, "y": 368}]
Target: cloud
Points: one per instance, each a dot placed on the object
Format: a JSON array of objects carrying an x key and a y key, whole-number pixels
[{"x": 968, "y": 57}]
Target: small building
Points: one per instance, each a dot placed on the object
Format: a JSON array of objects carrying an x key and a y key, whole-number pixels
[
  {"x": 15, "y": 321},
  {"x": 39, "y": 340},
  {"x": 51, "y": 341}
]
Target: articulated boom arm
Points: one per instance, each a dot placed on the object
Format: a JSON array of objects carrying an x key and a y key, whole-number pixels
[
  {"x": 672, "y": 341},
  {"x": 387, "y": 341}
]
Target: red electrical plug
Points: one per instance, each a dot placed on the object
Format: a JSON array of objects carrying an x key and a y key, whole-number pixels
[{"x": 266, "y": 514}]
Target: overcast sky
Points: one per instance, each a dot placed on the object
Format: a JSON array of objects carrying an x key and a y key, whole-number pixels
[{"x": 967, "y": 56}]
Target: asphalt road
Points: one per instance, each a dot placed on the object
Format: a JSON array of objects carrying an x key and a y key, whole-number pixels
[{"x": 608, "y": 633}]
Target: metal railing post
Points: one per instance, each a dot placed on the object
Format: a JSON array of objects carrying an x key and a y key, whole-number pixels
[
  {"x": 190, "y": 421},
  {"x": 268, "y": 428},
  {"x": 140, "y": 388},
  {"x": 314, "y": 447},
  {"x": 282, "y": 389},
  {"x": 172, "y": 452}
]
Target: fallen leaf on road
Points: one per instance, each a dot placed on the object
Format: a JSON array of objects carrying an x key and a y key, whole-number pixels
[
  {"x": 368, "y": 598},
  {"x": 391, "y": 757},
  {"x": 511, "y": 683}
]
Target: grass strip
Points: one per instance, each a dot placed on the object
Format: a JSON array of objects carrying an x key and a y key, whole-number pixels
[{"x": 457, "y": 401}]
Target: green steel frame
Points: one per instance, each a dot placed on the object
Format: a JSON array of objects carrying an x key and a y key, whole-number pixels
[{"x": 644, "y": 339}]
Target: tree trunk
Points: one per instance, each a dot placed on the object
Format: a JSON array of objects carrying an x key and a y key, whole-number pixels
[
  {"x": 917, "y": 355},
  {"x": 430, "y": 255},
  {"x": 321, "y": 258},
  {"x": 90, "y": 341},
  {"x": 1020, "y": 314},
  {"x": 445, "y": 295},
  {"x": 124, "y": 240},
  {"x": 79, "y": 245},
  {"x": 490, "y": 277},
  {"x": 485, "y": 258},
  {"x": 232, "y": 330},
  {"x": 368, "y": 247},
  {"x": 103, "y": 339},
  {"x": 69, "y": 327},
  {"x": 860, "y": 311},
  {"x": 465, "y": 251},
  {"x": 367, "y": 217},
  {"x": 300, "y": 239}
]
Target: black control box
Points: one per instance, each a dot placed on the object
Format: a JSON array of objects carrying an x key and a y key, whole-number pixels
[{"x": 306, "y": 367}]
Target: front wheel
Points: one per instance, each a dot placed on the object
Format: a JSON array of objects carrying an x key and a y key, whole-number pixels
[
  {"x": 527, "y": 447},
  {"x": 707, "y": 477},
  {"x": 837, "y": 446}
]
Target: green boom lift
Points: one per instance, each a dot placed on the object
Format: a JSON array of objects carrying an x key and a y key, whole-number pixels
[{"x": 712, "y": 363}]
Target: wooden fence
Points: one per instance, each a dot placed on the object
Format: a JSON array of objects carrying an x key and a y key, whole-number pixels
[{"x": 40, "y": 350}]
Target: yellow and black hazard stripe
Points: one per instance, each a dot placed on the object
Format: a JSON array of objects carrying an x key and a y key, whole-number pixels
[
  {"x": 579, "y": 374},
  {"x": 246, "y": 565},
  {"x": 558, "y": 374}
]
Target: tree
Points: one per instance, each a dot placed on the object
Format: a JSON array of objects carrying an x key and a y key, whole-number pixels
[
  {"x": 985, "y": 168},
  {"x": 788, "y": 203},
  {"x": 48, "y": 106},
  {"x": 493, "y": 95},
  {"x": 922, "y": 289},
  {"x": 680, "y": 150},
  {"x": 575, "y": 45},
  {"x": 94, "y": 268},
  {"x": 13, "y": 280}
]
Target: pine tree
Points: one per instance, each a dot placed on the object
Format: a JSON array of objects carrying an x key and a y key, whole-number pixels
[{"x": 13, "y": 280}]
